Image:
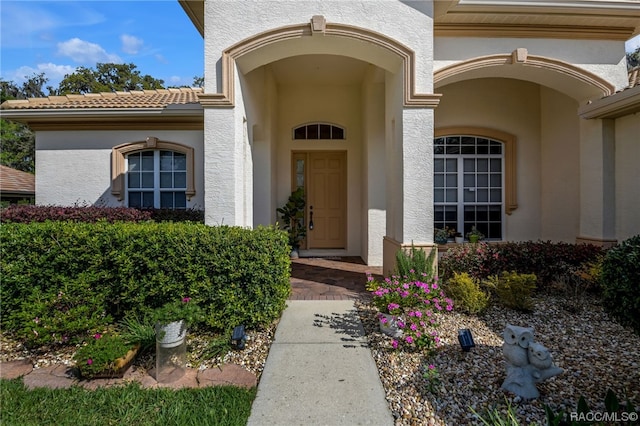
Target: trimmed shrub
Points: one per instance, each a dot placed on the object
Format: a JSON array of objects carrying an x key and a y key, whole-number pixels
[
  {"x": 90, "y": 214},
  {"x": 620, "y": 282},
  {"x": 62, "y": 280},
  {"x": 514, "y": 290},
  {"x": 466, "y": 293}
]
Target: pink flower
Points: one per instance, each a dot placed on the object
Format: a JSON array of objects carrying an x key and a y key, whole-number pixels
[
  {"x": 434, "y": 286},
  {"x": 383, "y": 319},
  {"x": 400, "y": 324},
  {"x": 186, "y": 299},
  {"x": 97, "y": 336},
  {"x": 89, "y": 361},
  {"x": 409, "y": 339},
  {"x": 449, "y": 307},
  {"x": 418, "y": 314},
  {"x": 431, "y": 366},
  {"x": 394, "y": 344},
  {"x": 413, "y": 327}
]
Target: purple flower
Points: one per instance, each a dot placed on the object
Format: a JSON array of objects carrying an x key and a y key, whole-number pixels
[
  {"x": 409, "y": 339},
  {"x": 394, "y": 344},
  {"x": 186, "y": 299},
  {"x": 97, "y": 336},
  {"x": 89, "y": 361}
]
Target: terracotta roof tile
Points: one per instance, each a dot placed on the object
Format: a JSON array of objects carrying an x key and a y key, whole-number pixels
[
  {"x": 159, "y": 98},
  {"x": 16, "y": 181}
]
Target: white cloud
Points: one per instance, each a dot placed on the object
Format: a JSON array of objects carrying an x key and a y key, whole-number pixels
[
  {"x": 85, "y": 52},
  {"x": 53, "y": 72},
  {"x": 632, "y": 44},
  {"x": 174, "y": 79},
  {"x": 131, "y": 44}
]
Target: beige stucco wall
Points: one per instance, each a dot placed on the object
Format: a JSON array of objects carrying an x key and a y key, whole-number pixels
[
  {"x": 560, "y": 162},
  {"x": 339, "y": 105},
  {"x": 627, "y": 154},
  {"x": 75, "y": 166},
  {"x": 513, "y": 107}
]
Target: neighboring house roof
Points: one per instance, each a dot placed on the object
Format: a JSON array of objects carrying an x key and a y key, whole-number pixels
[
  {"x": 14, "y": 181},
  {"x": 160, "y": 98}
]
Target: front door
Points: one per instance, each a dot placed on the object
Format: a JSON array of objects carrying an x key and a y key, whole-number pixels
[{"x": 325, "y": 183}]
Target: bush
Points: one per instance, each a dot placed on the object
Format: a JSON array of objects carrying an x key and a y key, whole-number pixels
[
  {"x": 415, "y": 264},
  {"x": 620, "y": 283},
  {"x": 514, "y": 290},
  {"x": 90, "y": 214},
  {"x": 546, "y": 260},
  {"x": 63, "y": 280},
  {"x": 466, "y": 293}
]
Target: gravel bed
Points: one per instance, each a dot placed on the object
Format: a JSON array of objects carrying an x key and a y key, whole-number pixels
[{"x": 596, "y": 353}]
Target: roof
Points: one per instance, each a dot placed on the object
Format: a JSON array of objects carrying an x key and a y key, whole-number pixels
[
  {"x": 159, "y": 98},
  {"x": 16, "y": 181}
]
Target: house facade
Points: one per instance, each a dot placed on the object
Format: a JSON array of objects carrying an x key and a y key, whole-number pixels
[{"x": 396, "y": 117}]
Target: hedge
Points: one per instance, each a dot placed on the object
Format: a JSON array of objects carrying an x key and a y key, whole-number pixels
[
  {"x": 61, "y": 280},
  {"x": 17, "y": 213}
]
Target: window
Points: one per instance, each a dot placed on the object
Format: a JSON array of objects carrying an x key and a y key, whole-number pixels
[
  {"x": 157, "y": 179},
  {"x": 153, "y": 174},
  {"x": 469, "y": 187},
  {"x": 318, "y": 131}
]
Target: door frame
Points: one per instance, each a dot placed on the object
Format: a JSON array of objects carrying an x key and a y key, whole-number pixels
[{"x": 303, "y": 154}]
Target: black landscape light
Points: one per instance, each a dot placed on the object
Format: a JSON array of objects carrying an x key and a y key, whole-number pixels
[
  {"x": 238, "y": 337},
  {"x": 466, "y": 339}
]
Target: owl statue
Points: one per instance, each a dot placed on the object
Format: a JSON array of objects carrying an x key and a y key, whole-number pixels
[
  {"x": 516, "y": 344},
  {"x": 539, "y": 356}
]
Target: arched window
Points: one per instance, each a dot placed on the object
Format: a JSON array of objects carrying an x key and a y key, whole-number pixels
[
  {"x": 153, "y": 174},
  {"x": 474, "y": 181},
  {"x": 318, "y": 131}
]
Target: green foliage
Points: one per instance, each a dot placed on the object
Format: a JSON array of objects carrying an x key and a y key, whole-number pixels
[
  {"x": 545, "y": 259},
  {"x": 98, "y": 357},
  {"x": 292, "y": 214},
  {"x": 67, "y": 279},
  {"x": 217, "y": 347},
  {"x": 124, "y": 405},
  {"x": 107, "y": 77},
  {"x": 620, "y": 284},
  {"x": 138, "y": 332},
  {"x": 466, "y": 293},
  {"x": 178, "y": 310},
  {"x": 583, "y": 415},
  {"x": 633, "y": 58},
  {"x": 498, "y": 417},
  {"x": 17, "y": 146},
  {"x": 514, "y": 290},
  {"x": 415, "y": 264}
]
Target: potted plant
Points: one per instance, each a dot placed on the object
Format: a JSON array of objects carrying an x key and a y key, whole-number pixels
[
  {"x": 474, "y": 235},
  {"x": 292, "y": 214},
  {"x": 459, "y": 239},
  {"x": 105, "y": 356},
  {"x": 441, "y": 235},
  {"x": 172, "y": 320}
]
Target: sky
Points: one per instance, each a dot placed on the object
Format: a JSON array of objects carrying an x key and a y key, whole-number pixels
[{"x": 56, "y": 37}]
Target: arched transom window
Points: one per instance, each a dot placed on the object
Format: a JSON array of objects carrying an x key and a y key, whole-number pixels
[{"x": 318, "y": 131}]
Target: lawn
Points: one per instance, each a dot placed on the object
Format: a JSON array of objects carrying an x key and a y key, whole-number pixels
[{"x": 123, "y": 405}]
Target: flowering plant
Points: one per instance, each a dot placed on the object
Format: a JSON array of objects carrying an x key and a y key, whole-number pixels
[
  {"x": 178, "y": 310},
  {"x": 441, "y": 235},
  {"x": 102, "y": 356},
  {"x": 413, "y": 305},
  {"x": 431, "y": 377}
]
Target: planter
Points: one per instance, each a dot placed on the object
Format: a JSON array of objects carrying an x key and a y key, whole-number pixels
[
  {"x": 474, "y": 238},
  {"x": 389, "y": 326},
  {"x": 120, "y": 366},
  {"x": 459, "y": 240},
  {"x": 172, "y": 334},
  {"x": 440, "y": 240}
]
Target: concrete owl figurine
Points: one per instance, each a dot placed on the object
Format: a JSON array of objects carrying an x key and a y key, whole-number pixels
[
  {"x": 516, "y": 344},
  {"x": 542, "y": 361}
]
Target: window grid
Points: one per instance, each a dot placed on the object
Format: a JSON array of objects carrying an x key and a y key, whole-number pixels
[
  {"x": 317, "y": 131},
  {"x": 468, "y": 184},
  {"x": 157, "y": 179}
]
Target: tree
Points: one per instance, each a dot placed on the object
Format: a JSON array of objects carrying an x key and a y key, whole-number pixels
[
  {"x": 633, "y": 58},
  {"x": 17, "y": 146},
  {"x": 107, "y": 77},
  {"x": 198, "y": 81}
]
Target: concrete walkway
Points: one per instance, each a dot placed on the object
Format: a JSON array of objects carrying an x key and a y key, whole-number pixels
[{"x": 319, "y": 370}]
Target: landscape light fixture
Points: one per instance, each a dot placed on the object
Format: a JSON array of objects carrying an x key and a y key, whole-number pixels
[
  {"x": 466, "y": 339},
  {"x": 238, "y": 337}
]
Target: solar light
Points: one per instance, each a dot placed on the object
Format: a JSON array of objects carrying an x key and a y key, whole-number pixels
[
  {"x": 238, "y": 337},
  {"x": 466, "y": 339}
]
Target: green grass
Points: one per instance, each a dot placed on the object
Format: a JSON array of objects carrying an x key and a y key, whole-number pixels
[{"x": 123, "y": 405}]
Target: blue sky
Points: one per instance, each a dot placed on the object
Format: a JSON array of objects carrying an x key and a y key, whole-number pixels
[{"x": 56, "y": 37}]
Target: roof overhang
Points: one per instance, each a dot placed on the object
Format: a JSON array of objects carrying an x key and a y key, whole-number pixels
[
  {"x": 617, "y": 105},
  {"x": 195, "y": 11},
  {"x": 183, "y": 117}
]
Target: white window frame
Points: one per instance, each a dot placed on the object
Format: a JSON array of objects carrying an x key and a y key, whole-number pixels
[{"x": 156, "y": 190}]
